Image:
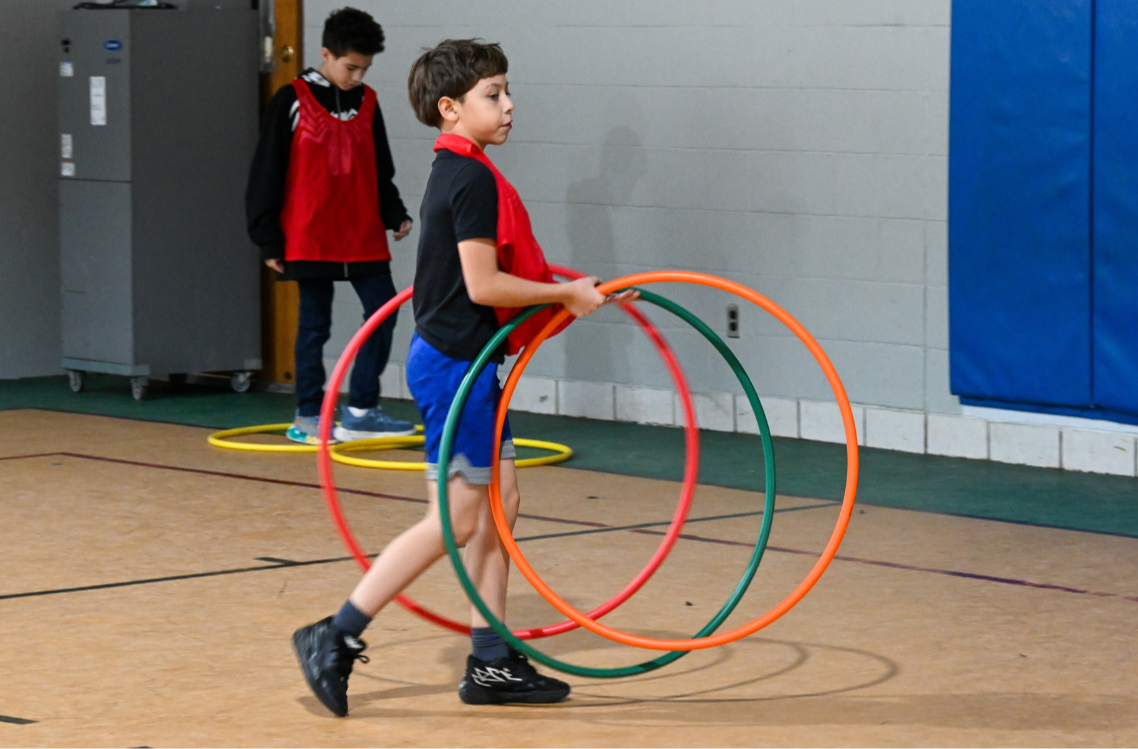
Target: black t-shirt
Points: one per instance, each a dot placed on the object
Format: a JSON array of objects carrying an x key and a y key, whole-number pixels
[{"x": 459, "y": 203}]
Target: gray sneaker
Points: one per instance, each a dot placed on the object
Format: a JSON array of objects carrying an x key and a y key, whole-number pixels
[{"x": 372, "y": 425}]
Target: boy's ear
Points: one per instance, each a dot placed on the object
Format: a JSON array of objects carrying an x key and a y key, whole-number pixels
[{"x": 447, "y": 109}]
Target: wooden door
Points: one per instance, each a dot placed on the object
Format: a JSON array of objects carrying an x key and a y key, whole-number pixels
[{"x": 280, "y": 301}]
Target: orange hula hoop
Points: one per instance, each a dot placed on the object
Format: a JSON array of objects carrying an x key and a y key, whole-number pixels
[{"x": 849, "y": 496}]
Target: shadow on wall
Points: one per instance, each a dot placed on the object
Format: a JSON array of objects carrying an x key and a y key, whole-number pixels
[{"x": 623, "y": 163}]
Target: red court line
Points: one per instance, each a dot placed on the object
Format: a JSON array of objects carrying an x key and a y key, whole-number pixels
[{"x": 685, "y": 536}]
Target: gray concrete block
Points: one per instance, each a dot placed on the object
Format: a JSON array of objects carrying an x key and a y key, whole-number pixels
[
  {"x": 790, "y": 182},
  {"x": 936, "y": 317},
  {"x": 868, "y": 249},
  {"x": 880, "y": 374},
  {"x": 872, "y": 12},
  {"x": 859, "y": 121},
  {"x": 938, "y": 397},
  {"x": 870, "y": 57},
  {"x": 936, "y": 253},
  {"x": 862, "y": 311},
  {"x": 891, "y": 186}
]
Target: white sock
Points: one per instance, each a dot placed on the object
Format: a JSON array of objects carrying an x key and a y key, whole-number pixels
[{"x": 357, "y": 412}]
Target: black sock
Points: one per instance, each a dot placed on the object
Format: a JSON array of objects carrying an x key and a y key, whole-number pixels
[
  {"x": 488, "y": 644},
  {"x": 350, "y": 620}
]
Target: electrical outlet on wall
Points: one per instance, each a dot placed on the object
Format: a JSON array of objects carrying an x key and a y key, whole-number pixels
[{"x": 732, "y": 321}]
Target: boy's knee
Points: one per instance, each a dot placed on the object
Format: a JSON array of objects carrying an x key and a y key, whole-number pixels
[{"x": 464, "y": 525}]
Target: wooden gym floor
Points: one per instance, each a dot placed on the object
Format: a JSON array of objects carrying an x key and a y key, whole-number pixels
[{"x": 151, "y": 582}]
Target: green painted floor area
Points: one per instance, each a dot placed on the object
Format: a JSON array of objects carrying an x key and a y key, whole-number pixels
[{"x": 1037, "y": 496}]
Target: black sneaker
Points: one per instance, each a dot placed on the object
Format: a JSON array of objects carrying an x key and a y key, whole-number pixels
[
  {"x": 326, "y": 657},
  {"x": 508, "y": 679}
]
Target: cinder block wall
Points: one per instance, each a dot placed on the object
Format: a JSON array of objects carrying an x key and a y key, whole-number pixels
[{"x": 796, "y": 146}]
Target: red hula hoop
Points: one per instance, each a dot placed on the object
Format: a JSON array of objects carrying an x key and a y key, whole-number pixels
[{"x": 687, "y": 492}]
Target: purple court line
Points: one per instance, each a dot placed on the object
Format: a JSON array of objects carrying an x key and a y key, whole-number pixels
[
  {"x": 905, "y": 567},
  {"x": 685, "y": 536},
  {"x": 285, "y": 482}
]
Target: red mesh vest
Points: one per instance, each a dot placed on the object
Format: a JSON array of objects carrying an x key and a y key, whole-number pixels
[
  {"x": 331, "y": 206},
  {"x": 519, "y": 254}
]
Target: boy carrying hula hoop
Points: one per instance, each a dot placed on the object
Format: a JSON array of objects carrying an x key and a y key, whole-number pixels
[{"x": 478, "y": 264}]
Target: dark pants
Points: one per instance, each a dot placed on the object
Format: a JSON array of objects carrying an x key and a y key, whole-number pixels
[{"x": 314, "y": 329}]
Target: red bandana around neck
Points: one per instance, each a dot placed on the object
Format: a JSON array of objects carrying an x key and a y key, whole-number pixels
[{"x": 519, "y": 254}]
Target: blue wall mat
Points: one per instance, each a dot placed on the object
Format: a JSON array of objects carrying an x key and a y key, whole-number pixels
[
  {"x": 1019, "y": 201},
  {"x": 1116, "y": 206}
]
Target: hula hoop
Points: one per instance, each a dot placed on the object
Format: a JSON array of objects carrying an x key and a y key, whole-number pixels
[
  {"x": 561, "y": 453},
  {"x": 839, "y": 529},
  {"x": 324, "y": 464},
  {"x": 757, "y": 554},
  {"x": 222, "y": 439}
]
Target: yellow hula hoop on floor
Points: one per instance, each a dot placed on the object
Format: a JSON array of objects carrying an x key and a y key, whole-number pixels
[
  {"x": 561, "y": 453},
  {"x": 222, "y": 439}
]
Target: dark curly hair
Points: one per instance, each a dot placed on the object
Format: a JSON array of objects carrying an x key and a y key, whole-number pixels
[
  {"x": 451, "y": 69},
  {"x": 350, "y": 30}
]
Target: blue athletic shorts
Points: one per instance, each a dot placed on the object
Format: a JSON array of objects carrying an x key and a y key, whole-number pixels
[{"x": 434, "y": 378}]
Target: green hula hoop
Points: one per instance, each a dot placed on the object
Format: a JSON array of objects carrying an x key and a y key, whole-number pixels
[{"x": 736, "y": 596}]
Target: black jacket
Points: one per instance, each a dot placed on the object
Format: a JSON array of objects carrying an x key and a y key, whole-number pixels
[{"x": 264, "y": 194}]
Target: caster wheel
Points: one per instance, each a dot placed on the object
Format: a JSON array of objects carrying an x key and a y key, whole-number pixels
[
  {"x": 241, "y": 381},
  {"x": 76, "y": 380},
  {"x": 139, "y": 387}
]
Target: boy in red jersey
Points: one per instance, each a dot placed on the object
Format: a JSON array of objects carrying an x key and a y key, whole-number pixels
[
  {"x": 319, "y": 202},
  {"x": 478, "y": 262}
]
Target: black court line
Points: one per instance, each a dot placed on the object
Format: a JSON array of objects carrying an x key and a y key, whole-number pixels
[
  {"x": 596, "y": 528},
  {"x": 15, "y": 721},
  {"x": 275, "y": 563},
  {"x": 174, "y": 578}
]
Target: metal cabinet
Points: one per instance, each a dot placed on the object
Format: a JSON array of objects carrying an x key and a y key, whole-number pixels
[{"x": 158, "y": 118}]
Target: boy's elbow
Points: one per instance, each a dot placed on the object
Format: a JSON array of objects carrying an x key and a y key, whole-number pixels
[
  {"x": 480, "y": 295},
  {"x": 481, "y": 288}
]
